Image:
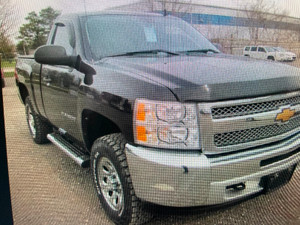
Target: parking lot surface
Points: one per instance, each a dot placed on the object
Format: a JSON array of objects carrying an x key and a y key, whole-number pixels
[{"x": 47, "y": 187}]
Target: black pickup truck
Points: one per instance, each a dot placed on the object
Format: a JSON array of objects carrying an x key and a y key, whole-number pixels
[{"x": 159, "y": 114}]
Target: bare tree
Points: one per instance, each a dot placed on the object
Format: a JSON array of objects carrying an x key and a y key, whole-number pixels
[
  {"x": 260, "y": 13},
  {"x": 7, "y": 23},
  {"x": 6, "y": 18}
]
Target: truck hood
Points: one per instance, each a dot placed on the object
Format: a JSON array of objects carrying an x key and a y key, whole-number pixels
[
  {"x": 212, "y": 77},
  {"x": 291, "y": 54}
]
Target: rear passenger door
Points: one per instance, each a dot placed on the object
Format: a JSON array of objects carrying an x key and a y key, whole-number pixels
[
  {"x": 60, "y": 84},
  {"x": 253, "y": 52}
]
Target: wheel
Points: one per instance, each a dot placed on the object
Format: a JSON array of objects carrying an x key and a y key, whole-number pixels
[
  {"x": 37, "y": 127},
  {"x": 271, "y": 58},
  {"x": 113, "y": 183}
]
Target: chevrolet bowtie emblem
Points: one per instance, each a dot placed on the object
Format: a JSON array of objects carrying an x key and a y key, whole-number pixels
[{"x": 285, "y": 115}]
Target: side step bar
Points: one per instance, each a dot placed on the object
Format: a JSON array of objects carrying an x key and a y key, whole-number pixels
[{"x": 74, "y": 153}]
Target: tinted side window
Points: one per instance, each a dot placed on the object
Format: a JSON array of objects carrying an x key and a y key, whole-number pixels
[
  {"x": 62, "y": 38},
  {"x": 253, "y": 49},
  {"x": 247, "y": 48},
  {"x": 261, "y": 49}
]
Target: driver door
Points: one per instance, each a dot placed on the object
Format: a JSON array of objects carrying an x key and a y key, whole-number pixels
[
  {"x": 262, "y": 54},
  {"x": 60, "y": 86}
]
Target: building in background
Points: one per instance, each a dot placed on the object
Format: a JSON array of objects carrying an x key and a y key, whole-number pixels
[{"x": 233, "y": 28}]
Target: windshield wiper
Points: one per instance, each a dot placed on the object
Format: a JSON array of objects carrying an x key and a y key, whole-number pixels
[
  {"x": 206, "y": 50},
  {"x": 155, "y": 51}
]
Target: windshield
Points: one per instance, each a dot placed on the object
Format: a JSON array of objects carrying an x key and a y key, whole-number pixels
[
  {"x": 110, "y": 35},
  {"x": 270, "y": 49},
  {"x": 279, "y": 49}
]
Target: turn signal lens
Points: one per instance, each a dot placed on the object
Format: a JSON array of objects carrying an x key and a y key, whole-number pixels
[
  {"x": 141, "y": 133},
  {"x": 140, "y": 115}
]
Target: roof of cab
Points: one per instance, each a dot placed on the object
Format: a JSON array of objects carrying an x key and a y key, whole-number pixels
[{"x": 108, "y": 12}]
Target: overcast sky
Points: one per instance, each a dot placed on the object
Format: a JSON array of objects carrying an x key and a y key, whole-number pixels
[
  {"x": 67, "y": 6},
  {"x": 23, "y": 7}
]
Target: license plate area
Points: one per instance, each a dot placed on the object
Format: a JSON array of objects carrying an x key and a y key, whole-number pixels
[{"x": 276, "y": 180}]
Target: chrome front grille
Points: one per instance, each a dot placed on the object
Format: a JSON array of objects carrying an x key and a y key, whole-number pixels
[
  {"x": 240, "y": 124},
  {"x": 254, "y": 134},
  {"x": 250, "y": 109}
]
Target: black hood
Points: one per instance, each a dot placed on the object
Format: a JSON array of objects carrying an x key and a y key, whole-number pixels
[{"x": 213, "y": 77}]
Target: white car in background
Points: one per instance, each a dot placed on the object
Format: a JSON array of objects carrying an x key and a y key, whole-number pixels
[
  {"x": 291, "y": 56},
  {"x": 265, "y": 52}
]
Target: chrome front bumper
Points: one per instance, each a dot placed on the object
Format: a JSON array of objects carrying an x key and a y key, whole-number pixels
[{"x": 190, "y": 178}]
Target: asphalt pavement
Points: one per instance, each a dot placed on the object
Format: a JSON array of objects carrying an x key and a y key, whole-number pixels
[{"x": 47, "y": 187}]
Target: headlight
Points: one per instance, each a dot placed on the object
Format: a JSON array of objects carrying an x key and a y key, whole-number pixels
[{"x": 165, "y": 124}]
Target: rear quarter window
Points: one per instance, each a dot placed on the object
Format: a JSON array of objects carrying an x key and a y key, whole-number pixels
[{"x": 247, "y": 48}]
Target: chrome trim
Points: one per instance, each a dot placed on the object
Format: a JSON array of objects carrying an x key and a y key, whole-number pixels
[
  {"x": 249, "y": 121},
  {"x": 169, "y": 177},
  {"x": 80, "y": 161},
  {"x": 190, "y": 178},
  {"x": 209, "y": 126},
  {"x": 268, "y": 98},
  {"x": 266, "y": 151}
]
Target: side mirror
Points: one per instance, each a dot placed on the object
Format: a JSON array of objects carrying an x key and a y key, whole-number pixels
[{"x": 54, "y": 55}]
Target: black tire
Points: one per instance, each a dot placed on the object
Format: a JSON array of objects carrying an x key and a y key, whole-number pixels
[
  {"x": 126, "y": 208},
  {"x": 271, "y": 58},
  {"x": 37, "y": 127}
]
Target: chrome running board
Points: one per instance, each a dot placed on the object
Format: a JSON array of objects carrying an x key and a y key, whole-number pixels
[{"x": 74, "y": 153}]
